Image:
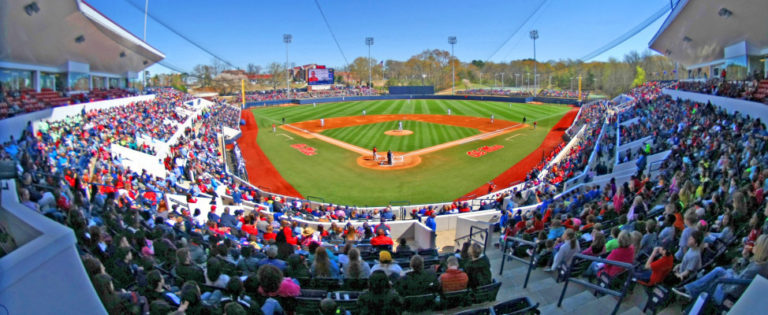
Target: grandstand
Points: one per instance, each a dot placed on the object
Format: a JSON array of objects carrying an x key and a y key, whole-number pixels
[
  {"x": 137, "y": 204},
  {"x": 81, "y": 56}
]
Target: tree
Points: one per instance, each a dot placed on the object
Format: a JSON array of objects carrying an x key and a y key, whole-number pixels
[
  {"x": 277, "y": 71},
  {"x": 478, "y": 63},
  {"x": 359, "y": 69},
  {"x": 204, "y": 74},
  {"x": 254, "y": 69},
  {"x": 226, "y": 83},
  {"x": 639, "y": 77}
]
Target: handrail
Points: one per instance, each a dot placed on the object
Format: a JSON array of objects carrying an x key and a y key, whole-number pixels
[
  {"x": 520, "y": 259},
  {"x": 471, "y": 234},
  {"x": 620, "y": 294}
]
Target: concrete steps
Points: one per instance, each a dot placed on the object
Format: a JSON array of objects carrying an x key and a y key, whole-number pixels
[{"x": 543, "y": 289}]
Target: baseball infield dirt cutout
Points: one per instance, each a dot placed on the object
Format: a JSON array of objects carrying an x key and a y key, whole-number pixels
[
  {"x": 311, "y": 129},
  {"x": 398, "y": 132}
]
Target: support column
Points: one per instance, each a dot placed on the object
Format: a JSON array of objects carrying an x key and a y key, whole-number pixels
[{"x": 36, "y": 80}]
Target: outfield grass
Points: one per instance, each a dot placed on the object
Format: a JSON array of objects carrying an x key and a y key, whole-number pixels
[
  {"x": 334, "y": 175},
  {"x": 424, "y": 135}
]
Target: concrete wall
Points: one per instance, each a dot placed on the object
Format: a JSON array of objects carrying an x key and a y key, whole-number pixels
[
  {"x": 44, "y": 275},
  {"x": 138, "y": 160}
]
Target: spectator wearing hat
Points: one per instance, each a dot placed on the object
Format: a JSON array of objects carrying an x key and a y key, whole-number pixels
[{"x": 385, "y": 264}]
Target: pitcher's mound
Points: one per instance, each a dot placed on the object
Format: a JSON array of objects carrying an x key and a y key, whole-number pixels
[
  {"x": 398, "y": 132},
  {"x": 401, "y": 161}
]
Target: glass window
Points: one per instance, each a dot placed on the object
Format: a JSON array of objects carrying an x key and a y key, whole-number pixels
[
  {"x": 79, "y": 81},
  {"x": 134, "y": 83},
  {"x": 13, "y": 80},
  {"x": 116, "y": 83},
  {"x": 98, "y": 83},
  {"x": 51, "y": 81}
]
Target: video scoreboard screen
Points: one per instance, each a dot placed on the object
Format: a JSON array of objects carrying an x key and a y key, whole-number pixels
[{"x": 319, "y": 76}]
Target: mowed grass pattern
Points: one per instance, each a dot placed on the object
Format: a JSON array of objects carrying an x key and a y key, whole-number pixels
[
  {"x": 424, "y": 135},
  {"x": 334, "y": 175},
  {"x": 506, "y": 111}
]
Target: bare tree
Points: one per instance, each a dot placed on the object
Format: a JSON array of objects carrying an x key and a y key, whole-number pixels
[
  {"x": 277, "y": 71},
  {"x": 254, "y": 69}
]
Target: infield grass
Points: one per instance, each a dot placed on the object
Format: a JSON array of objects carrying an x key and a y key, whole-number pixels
[
  {"x": 333, "y": 173},
  {"x": 424, "y": 135}
]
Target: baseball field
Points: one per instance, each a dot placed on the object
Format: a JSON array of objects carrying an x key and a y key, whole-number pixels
[{"x": 441, "y": 149}]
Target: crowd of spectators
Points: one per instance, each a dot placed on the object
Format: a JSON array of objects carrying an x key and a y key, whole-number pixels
[
  {"x": 563, "y": 93},
  {"x": 272, "y": 95},
  {"x": 677, "y": 229},
  {"x": 495, "y": 92},
  {"x": 15, "y": 102},
  {"x": 716, "y": 86},
  {"x": 143, "y": 254}
]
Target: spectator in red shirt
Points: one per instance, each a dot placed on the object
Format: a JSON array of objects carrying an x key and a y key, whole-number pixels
[
  {"x": 453, "y": 279},
  {"x": 624, "y": 253},
  {"x": 657, "y": 268},
  {"x": 289, "y": 238},
  {"x": 249, "y": 226},
  {"x": 381, "y": 239},
  {"x": 270, "y": 235},
  {"x": 538, "y": 225}
]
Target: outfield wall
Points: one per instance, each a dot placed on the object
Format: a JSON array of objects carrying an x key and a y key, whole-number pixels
[{"x": 414, "y": 96}]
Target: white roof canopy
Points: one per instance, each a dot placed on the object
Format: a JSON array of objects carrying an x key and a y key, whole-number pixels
[
  {"x": 49, "y": 37},
  {"x": 697, "y": 31}
]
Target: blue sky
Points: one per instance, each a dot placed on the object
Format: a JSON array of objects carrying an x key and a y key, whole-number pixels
[{"x": 245, "y": 32}]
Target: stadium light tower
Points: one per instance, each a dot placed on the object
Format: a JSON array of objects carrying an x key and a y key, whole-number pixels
[
  {"x": 534, "y": 36},
  {"x": 452, "y": 41},
  {"x": 369, "y": 43},
  {"x": 287, "y": 39}
]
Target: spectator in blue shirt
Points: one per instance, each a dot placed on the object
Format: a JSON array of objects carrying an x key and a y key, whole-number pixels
[
  {"x": 556, "y": 230},
  {"x": 430, "y": 223},
  {"x": 228, "y": 219}
]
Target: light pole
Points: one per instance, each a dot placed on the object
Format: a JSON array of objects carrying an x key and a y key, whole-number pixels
[
  {"x": 527, "y": 80},
  {"x": 287, "y": 38},
  {"x": 502, "y": 80},
  {"x": 452, "y": 41},
  {"x": 423, "y": 76},
  {"x": 369, "y": 43},
  {"x": 146, "y": 12},
  {"x": 534, "y": 36},
  {"x": 517, "y": 76},
  {"x": 536, "y": 82}
]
